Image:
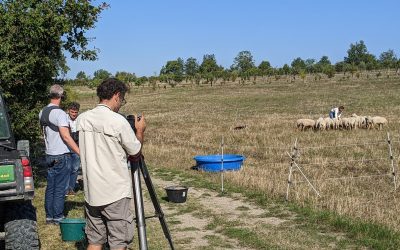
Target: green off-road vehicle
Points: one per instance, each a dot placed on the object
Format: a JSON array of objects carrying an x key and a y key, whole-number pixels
[{"x": 18, "y": 227}]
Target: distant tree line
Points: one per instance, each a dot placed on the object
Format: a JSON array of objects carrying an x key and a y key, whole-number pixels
[{"x": 244, "y": 68}]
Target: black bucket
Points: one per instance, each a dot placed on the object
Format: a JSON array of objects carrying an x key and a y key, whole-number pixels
[{"x": 177, "y": 194}]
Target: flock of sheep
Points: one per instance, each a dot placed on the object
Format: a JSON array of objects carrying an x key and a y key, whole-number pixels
[{"x": 349, "y": 123}]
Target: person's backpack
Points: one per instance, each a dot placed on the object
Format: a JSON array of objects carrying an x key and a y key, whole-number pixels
[{"x": 44, "y": 119}]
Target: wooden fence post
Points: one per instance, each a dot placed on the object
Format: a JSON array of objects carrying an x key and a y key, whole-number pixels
[{"x": 391, "y": 160}]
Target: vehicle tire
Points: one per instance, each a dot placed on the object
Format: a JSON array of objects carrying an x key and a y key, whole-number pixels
[{"x": 21, "y": 227}]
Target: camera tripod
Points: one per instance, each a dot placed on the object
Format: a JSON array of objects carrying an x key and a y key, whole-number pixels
[{"x": 139, "y": 166}]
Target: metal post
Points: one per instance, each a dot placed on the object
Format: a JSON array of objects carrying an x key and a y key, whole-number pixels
[
  {"x": 292, "y": 157},
  {"x": 139, "y": 208},
  {"x": 222, "y": 165},
  {"x": 391, "y": 160}
]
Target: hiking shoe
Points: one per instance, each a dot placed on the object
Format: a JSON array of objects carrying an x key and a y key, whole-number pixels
[{"x": 57, "y": 221}]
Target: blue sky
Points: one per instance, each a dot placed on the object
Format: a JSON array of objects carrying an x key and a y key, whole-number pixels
[{"x": 141, "y": 36}]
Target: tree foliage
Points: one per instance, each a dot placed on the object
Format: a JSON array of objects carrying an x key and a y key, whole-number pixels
[
  {"x": 388, "y": 59},
  {"x": 174, "y": 69},
  {"x": 101, "y": 74},
  {"x": 358, "y": 53},
  {"x": 191, "y": 67},
  {"x": 243, "y": 61},
  {"x": 33, "y": 38},
  {"x": 298, "y": 65},
  {"x": 265, "y": 68}
]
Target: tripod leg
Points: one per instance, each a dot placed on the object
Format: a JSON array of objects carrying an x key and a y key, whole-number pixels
[
  {"x": 139, "y": 208},
  {"x": 156, "y": 204}
]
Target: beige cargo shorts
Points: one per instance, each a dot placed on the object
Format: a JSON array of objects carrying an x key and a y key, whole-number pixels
[{"x": 112, "y": 223}]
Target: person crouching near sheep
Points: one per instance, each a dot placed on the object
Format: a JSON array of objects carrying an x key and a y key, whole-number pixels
[{"x": 336, "y": 112}]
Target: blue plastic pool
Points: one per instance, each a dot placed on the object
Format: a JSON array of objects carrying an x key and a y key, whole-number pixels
[{"x": 213, "y": 163}]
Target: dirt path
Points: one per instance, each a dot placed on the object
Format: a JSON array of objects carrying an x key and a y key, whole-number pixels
[{"x": 208, "y": 220}]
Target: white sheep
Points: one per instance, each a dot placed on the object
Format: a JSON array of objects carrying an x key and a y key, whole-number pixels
[
  {"x": 379, "y": 121},
  {"x": 345, "y": 123},
  {"x": 328, "y": 123},
  {"x": 320, "y": 124},
  {"x": 360, "y": 120},
  {"x": 336, "y": 123},
  {"x": 352, "y": 123},
  {"x": 302, "y": 124},
  {"x": 368, "y": 122}
]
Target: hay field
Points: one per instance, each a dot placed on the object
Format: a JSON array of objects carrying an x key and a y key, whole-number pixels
[{"x": 350, "y": 169}]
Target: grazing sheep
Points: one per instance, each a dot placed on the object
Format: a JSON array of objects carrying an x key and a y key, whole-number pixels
[
  {"x": 368, "y": 122},
  {"x": 345, "y": 123},
  {"x": 328, "y": 123},
  {"x": 303, "y": 124},
  {"x": 360, "y": 120},
  {"x": 320, "y": 124},
  {"x": 379, "y": 121},
  {"x": 352, "y": 123},
  {"x": 336, "y": 123}
]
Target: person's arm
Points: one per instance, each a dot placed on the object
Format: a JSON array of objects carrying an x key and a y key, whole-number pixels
[
  {"x": 336, "y": 112},
  {"x": 66, "y": 136}
]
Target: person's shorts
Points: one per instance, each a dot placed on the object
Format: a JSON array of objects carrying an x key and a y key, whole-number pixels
[{"x": 115, "y": 218}]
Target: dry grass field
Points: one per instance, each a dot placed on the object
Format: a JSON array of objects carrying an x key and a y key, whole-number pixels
[
  {"x": 351, "y": 170},
  {"x": 192, "y": 120}
]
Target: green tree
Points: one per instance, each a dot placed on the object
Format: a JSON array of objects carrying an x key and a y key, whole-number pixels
[
  {"x": 329, "y": 70},
  {"x": 388, "y": 59},
  {"x": 34, "y": 35},
  {"x": 357, "y": 53},
  {"x": 324, "y": 61},
  {"x": 101, "y": 74},
  {"x": 371, "y": 62},
  {"x": 81, "y": 78},
  {"x": 125, "y": 76},
  {"x": 243, "y": 61},
  {"x": 191, "y": 67},
  {"x": 310, "y": 65},
  {"x": 175, "y": 69},
  {"x": 209, "y": 67},
  {"x": 265, "y": 68},
  {"x": 286, "y": 69},
  {"x": 298, "y": 64},
  {"x": 324, "y": 66}
]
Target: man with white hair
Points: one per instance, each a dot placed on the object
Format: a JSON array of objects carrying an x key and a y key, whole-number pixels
[{"x": 59, "y": 143}]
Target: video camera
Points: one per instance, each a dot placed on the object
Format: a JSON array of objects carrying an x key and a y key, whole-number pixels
[{"x": 131, "y": 119}]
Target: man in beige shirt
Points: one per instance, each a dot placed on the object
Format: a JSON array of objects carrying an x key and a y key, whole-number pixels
[{"x": 106, "y": 140}]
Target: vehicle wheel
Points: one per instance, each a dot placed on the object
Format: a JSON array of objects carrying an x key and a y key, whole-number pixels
[{"x": 21, "y": 227}]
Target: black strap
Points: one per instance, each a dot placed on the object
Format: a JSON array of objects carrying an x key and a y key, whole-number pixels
[{"x": 44, "y": 119}]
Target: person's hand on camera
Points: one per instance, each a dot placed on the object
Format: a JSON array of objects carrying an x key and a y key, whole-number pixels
[{"x": 140, "y": 123}]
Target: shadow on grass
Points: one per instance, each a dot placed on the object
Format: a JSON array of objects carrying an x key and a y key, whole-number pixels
[
  {"x": 71, "y": 205},
  {"x": 165, "y": 198}
]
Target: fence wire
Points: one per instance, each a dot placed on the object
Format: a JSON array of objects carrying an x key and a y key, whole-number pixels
[
  {"x": 342, "y": 178},
  {"x": 345, "y": 161}
]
